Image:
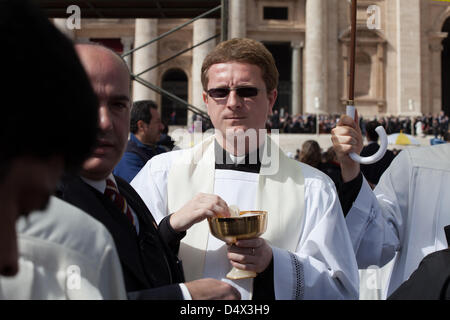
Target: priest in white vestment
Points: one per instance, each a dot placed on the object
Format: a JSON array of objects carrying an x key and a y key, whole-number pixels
[
  {"x": 404, "y": 216},
  {"x": 306, "y": 252}
]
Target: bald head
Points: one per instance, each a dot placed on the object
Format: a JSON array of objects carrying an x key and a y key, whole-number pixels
[
  {"x": 93, "y": 53},
  {"x": 110, "y": 80}
]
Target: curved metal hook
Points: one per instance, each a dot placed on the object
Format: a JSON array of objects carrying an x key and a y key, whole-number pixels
[{"x": 383, "y": 143}]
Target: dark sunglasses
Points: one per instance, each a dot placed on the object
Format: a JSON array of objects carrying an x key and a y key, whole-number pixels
[{"x": 243, "y": 92}]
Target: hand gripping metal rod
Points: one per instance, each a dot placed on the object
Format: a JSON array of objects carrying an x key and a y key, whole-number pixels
[{"x": 383, "y": 143}]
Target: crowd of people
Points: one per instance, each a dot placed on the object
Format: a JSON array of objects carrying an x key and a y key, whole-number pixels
[
  {"x": 301, "y": 123},
  {"x": 84, "y": 232},
  {"x": 437, "y": 124}
]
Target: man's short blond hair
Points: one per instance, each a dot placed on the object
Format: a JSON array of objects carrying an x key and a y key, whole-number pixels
[{"x": 244, "y": 51}]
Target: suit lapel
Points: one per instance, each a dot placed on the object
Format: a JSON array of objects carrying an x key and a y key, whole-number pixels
[
  {"x": 134, "y": 201},
  {"x": 447, "y": 234},
  {"x": 156, "y": 252}
]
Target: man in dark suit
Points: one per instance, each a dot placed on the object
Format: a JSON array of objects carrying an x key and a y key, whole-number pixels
[
  {"x": 150, "y": 267},
  {"x": 373, "y": 172}
]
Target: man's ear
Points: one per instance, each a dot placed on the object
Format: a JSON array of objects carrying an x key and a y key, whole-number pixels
[
  {"x": 141, "y": 125},
  {"x": 205, "y": 100},
  {"x": 272, "y": 97}
]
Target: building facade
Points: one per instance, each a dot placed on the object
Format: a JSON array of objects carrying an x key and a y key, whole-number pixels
[{"x": 402, "y": 57}]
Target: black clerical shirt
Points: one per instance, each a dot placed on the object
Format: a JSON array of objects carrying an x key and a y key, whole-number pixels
[
  {"x": 348, "y": 192},
  {"x": 263, "y": 286}
]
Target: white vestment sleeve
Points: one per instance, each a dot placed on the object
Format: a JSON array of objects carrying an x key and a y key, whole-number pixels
[
  {"x": 376, "y": 219},
  {"x": 323, "y": 266},
  {"x": 151, "y": 185}
]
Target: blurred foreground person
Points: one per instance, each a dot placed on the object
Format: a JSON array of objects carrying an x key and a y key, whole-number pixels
[
  {"x": 64, "y": 254},
  {"x": 44, "y": 132}
]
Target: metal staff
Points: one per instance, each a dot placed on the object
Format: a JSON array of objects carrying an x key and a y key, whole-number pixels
[{"x": 351, "y": 97}]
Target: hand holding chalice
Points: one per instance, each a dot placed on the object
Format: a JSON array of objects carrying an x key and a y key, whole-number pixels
[{"x": 241, "y": 225}]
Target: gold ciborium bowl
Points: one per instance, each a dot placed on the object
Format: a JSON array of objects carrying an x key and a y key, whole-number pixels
[{"x": 249, "y": 224}]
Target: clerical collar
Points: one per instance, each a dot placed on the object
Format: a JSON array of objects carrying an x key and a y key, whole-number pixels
[{"x": 226, "y": 161}]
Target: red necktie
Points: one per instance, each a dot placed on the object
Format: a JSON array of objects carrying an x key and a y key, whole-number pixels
[{"x": 112, "y": 193}]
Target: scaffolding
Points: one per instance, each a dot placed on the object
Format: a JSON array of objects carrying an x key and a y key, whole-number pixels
[
  {"x": 223, "y": 8},
  {"x": 150, "y": 9}
]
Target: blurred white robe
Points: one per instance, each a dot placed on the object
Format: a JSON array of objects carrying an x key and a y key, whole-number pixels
[
  {"x": 64, "y": 254},
  {"x": 405, "y": 214}
]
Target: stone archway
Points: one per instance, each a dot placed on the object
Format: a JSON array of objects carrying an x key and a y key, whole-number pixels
[
  {"x": 363, "y": 74},
  {"x": 370, "y": 77},
  {"x": 176, "y": 82},
  {"x": 282, "y": 53}
]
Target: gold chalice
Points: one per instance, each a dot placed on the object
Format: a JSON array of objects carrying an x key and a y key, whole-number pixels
[{"x": 248, "y": 225}]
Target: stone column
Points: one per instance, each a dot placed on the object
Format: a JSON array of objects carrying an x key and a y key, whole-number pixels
[
  {"x": 409, "y": 73},
  {"x": 238, "y": 19},
  {"x": 315, "y": 56},
  {"x": 380, "y": 86},
  {"x": 61, "y": 24},
  {"x": 145, "y": 30},
  {"x": 127, "y": 44},
  {"x": 436, "y": 75},
  {"x": 331, "y": 63},
  {"x": 203, "y": 29},
  {"x": 296, "y": 77},
  {"x": 391, "y": 57}
]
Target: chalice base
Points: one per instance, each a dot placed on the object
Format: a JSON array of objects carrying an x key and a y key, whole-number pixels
[{"x": 236, "y": 274}]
